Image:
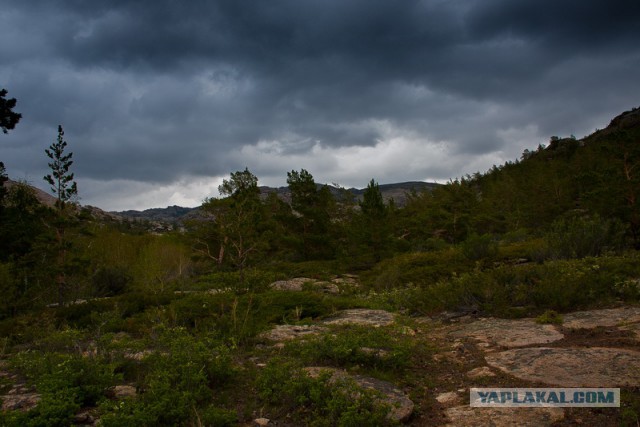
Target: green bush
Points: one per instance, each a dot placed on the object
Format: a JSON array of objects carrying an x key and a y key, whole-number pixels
[
  {"x": 86, "y": 378},
  {"x": 65, "y": 382},
  {"x": 478, "y": 247},
  {"x": 371, "y": 348},
  {"x": 237, "y": 318},
  {"x": 560, "y": 285},
  {"x": 181, "y": 376},
  {"x": 82, "y": 315},
  {"x": 422, "y": 269},
  {"x": 218, "y": 417},
  {"x": 321, "y": 401},
  {"x": 549, "y": 317},
  {"x": 110, "y": 281},
  {"x": 580, "y": 237}
]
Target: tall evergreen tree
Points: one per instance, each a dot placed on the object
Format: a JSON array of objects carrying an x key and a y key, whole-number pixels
[
  {"x": 65, "y": 189},
  {"x": 311, "y": 219},
  {"x": 374, "y": 225},
  {"x": 60, "y": 179}
]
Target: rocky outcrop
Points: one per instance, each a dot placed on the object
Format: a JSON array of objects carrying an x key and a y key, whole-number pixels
[
  {"x": 357, "y": 316},
  {"x": 571, "y": 367},
  {"x": 334, "y": 286},
  {"x": 282, "y": 333},
  {"x": 466, "y": 416},
  {"x": 602, "y": 318},
  {"x": 19, "y": 397},
  {"x": 361, "y": 316},
  {"x": 509, "y": 333}
]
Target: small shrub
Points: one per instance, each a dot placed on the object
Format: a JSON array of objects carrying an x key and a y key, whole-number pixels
[
  {"x": 82, "y": 315},
  {"x": 110, "y": 281},
  {"x": 559, "y": 285},
  {"x": 371, "y": 348},
  {"x": 480, "y": 247},
  {"x": 181, "y": 375},
  {"x": 321, "y": 401},
  {"x": 136, "y": 302},
  {"x": 581, "y": 237},
  {"x": 422, "y": 269},
  {"x": 549, "y": 317},
  {"x": 66, "y": 383},
  {"x": 52, "y": 373},
  {"x": 218, "y": 417}
]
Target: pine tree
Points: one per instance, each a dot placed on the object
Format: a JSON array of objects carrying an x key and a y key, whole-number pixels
[
  {"x": 61, "y": 181},
  {"x": 65, "y": 188},
  {"x": 311, "y": 220},
  {"x": 375, "y": 230}
]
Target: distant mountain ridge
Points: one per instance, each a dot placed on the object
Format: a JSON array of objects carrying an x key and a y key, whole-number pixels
[
  {"x": 396, "y": 191},
  {"x": 168, "y": 214}
]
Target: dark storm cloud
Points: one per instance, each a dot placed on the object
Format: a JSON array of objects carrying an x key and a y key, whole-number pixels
[{"x": 156, "y": 91}]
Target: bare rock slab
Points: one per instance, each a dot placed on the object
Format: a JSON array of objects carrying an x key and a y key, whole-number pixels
[
  {"x": 20, "y": 400},
  {"x": 294, "y": 285},
  {"x": 123, "y": 391},
  {"x": 282, "y": 333},
  {"x": 361, "y": 316},
  {"x": 571, "y": 367},
  {"x": 509, "y": 333},
  {"x": 334, "y": 286},
  {"x": 466, "y": 416},
  {"x": 602, "y": 318}
]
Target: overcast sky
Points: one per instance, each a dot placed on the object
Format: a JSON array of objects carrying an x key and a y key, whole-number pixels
[{"x": 160, "y": 100}]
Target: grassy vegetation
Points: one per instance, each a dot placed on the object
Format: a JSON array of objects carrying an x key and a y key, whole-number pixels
[{"x": 180, "y": 349}]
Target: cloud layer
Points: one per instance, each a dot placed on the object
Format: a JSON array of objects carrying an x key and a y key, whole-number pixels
[{"x": 161, "y": 99}]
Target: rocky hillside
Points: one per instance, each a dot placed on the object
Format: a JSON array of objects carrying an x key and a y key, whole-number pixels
[{"x": 397, "y": 192}]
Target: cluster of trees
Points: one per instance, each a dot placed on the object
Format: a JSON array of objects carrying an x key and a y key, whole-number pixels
[
  {"x": 244, "y": 228},
  {"x": 597, "y": 178}
]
